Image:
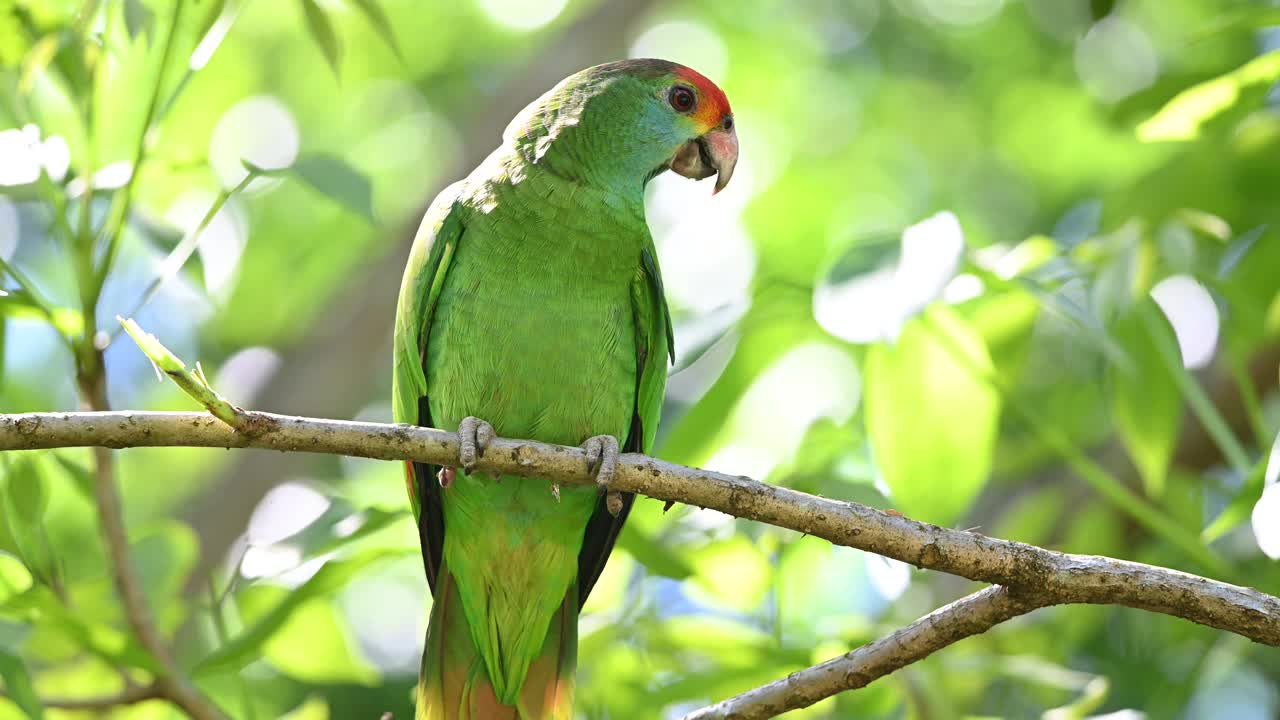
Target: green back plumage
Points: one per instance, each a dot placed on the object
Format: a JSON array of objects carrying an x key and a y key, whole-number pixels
[{"x": 532, "y": 299}]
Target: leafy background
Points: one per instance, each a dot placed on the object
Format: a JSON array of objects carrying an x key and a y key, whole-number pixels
[{"x": 997, "y": 264}]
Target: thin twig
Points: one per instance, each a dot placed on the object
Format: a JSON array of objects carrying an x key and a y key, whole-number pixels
[
  {"x": 172, "y": 684},
  {"x": 182, "y": 252},
  {"x": 968, "y": 616},
  {"x": 193, "y": 383}
]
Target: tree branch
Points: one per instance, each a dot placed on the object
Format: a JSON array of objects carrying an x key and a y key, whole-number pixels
[
  {"x": 968, "y": 616},
  {"x": 1039, "y": 576}
]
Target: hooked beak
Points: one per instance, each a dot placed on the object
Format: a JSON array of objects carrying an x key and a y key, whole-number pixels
[{"x": 715, "y": 153}]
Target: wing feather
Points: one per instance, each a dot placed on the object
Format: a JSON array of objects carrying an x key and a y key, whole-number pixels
[{"x": 429, "y": 260}]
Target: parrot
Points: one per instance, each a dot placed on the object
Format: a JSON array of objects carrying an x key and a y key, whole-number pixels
[{"x": 532, "y": 306}]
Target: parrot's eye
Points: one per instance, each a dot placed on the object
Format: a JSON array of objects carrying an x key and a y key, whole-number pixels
[
  {"x": 728, "y": 122},
  {"x": 682, "y": 98}
]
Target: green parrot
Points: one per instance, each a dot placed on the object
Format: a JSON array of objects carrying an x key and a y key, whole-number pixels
[{"x": 532, "y": 307}]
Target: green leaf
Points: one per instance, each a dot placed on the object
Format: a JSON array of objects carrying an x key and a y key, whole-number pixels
[
  {"x": 208, "y": 18},
  {"x": 322, "y": 33},
  {"x": 82, "y": 478},
  {"x": 164, "y": 556},
  {"x": 17, "y": 682},
  {"x": 1238, "y": 248},
  {"x": 315, "y": 645},
  {"x": 656, "y": 556},
  {"x": 104, "y": 641},
  {"x": 138, "y": 18},
  {"x": 932, "y": 415},
  {"x": 1237, "y": 511},
  {"x": 1145, "y": 400},
  {"x": 321, "y": 537},
  {"x": 37, "y": 60},
  {"x": 381, "y": 24},
  {"x": 23, "y": 500},
  {"x": 247, "y": 646},
  {"x": 334, "y": 178},
  {"x": 14, "y": 42},
  {"x": 1183, "y": 116},
  {"x": 315, "y": 708},
  {"x": 15, "y": 579}
]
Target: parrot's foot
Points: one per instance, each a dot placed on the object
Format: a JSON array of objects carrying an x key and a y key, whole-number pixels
[
  {"x": 602, "y": 461},
  {"x": 474, "y": 435},
  {"x": 446, "y": 476}
]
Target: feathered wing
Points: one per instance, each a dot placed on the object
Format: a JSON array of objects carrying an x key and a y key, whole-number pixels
[
  {"x": 429, "y": 259},
  {"x": 654, "y": 344}
]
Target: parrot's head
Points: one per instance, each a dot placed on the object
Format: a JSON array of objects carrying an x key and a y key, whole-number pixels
[{"x": 631, "y": 120}]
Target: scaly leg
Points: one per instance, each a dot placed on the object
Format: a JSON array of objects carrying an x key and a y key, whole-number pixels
[
  {"x": 602, "y": 461},
  {"x": 474, "y": 435}
]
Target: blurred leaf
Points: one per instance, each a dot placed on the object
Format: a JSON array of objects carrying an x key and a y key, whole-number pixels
[
  {"x": 381, "y": 24},
  {"x": 15, "y": 579},
  {"x": 1183, "y": 116},
  {"x": 208, "y": 17},
  {"x": 164, "y": 556},
  {"x": 104, "y": 641},
  {"x": 1145, "y": 400},
  {"x": 1099, "y": 9},
  {"x": 321, "y": 29},
  {"x": 1237, "y": 511},
  {"x": 932, "y": 415},
  {"x": 18, "y": 304},
  {"x": 138, "y": 18},
  {"x": 17, "y": 682},
  {"x": 1251, "y": 17},
  {"x": 323, "y": 537},
  {"x": 333, "y": 177},
  {"x": 81, "y": 477},
  {"x": 1118, "y": 281},
  {"x": 1238, "y": 248},
  {"x": 656, "y": 557},
  {"x": 36, "y": 61},
  {"x": 733, "y": 571},
  {"x": 14, "y": 42},
  {"x": 314, "y": 708},
  {"x": 243, "y": 648},
  {"x": 23, "y": 502},
  {"x": 314, "y": 645}
]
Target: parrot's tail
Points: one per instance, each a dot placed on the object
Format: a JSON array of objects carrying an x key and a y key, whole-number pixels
[{"x": 453, "y": 683}]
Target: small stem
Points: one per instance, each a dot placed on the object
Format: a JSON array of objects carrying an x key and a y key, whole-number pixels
[
  {"x": 1198, "y": 400},
  {"x": 220, "y": 629},
  {"x": 963, "y": 618},
  {"x": 182, "y": 252},
  {"x": 171, "y": 684},
  {"x": 25, "y": 285},
  {"x": 1249, "y": 396},
  {"x": 192, "y": 383},
  {"x": 120, "y": 205}
]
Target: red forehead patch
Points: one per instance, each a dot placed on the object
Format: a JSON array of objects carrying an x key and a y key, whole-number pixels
[{"x": 715, "y": 104}]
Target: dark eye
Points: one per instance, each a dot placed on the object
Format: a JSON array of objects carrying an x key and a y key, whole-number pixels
[
  {"x": 682, "y": 98},
  {"x": 728, "y": 122}
]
